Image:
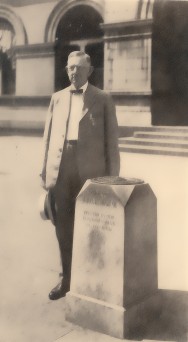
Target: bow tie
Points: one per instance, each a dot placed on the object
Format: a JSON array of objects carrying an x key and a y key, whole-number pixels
[{"x": 76, "y": 91}]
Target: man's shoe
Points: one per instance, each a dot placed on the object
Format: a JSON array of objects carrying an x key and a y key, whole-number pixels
[{"x": 59, "y": 291}]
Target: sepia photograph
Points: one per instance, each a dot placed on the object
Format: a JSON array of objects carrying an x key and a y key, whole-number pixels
[{"x": 94, "y": 170}]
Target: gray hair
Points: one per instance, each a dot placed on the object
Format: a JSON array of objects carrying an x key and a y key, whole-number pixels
[{"x": 80, "y": 54}]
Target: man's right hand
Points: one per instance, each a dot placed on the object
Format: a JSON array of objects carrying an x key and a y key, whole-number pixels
[{"x": 42, "y": 183}]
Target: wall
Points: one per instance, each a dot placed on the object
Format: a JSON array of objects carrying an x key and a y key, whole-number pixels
[
  {"x": 119, "y": 10},
  {"x": 35, "y": 76},
  {"x": 35, "y": 66},
  {"x": 167, "y": 176},
  {"x": 34, "y": 18}
]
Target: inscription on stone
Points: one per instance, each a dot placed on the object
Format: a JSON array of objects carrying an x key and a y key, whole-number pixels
[
  {"x": 98, "y": 220},
  {"x": 99, "y": 230}
]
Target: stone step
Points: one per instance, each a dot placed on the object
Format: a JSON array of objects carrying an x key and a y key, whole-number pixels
[
  {"x": 162, "y": 135},
  {"x": 173, "y": 129},
  {"x": 156, "y": 150},
  {"x": 174, "y": 143},
  {"x": 128, "y": 131}
]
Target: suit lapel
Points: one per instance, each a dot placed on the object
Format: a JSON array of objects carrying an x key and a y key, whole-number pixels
[
  {"x": 64, "y": 103},
  {"x": 89, "y": 100}
]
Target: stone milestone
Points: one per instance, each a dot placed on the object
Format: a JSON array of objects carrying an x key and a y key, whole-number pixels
[{"x": 114, "y": 265}]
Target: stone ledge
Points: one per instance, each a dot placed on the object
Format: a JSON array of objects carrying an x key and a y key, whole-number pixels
[
  {"x": 13, "y": 100},
  {"x": 162, "y": 134},
  {"x": 177, "y": 143},
  {"x": 34, "y": 50},
  {"x": 128, "y": 27},
  {"x": 177, "y": 152}
]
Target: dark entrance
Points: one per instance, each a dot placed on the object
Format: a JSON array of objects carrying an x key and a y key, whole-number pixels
[
  {"x": 7, "y": 71},
  {"x": 170, "y": 63},
  {"x": 7, "y": 74},
  {"x": 79, "y": 29}
]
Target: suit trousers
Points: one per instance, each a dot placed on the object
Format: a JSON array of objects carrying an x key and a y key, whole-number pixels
[{"x": 66, "y": 189}]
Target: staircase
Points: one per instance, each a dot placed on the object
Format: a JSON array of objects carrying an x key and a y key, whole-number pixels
[{"x": 160, "y": 140}]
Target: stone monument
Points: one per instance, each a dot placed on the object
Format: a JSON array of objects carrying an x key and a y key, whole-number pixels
[{"x": 114, "y": 264}]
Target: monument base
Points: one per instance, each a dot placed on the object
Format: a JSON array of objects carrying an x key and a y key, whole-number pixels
[
  {"x": 114, "y": 261},
  {"x": 110, "y": 319}
]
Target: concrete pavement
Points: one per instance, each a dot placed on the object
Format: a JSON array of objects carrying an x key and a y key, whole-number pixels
[
  {"x": 28, "y": 251},
  {"x": 29, "y": 257}
]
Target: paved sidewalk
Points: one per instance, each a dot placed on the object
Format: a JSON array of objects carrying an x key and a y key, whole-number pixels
[
  {"x": 29, "y": 265},
  {"x": 29, "y": 257}
]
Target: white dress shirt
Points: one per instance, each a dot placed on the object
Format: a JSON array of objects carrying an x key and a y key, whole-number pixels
[{"x": 75, "y": 116}]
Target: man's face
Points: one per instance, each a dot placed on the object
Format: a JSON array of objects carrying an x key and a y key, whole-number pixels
[{"x": 78, "y": 70}]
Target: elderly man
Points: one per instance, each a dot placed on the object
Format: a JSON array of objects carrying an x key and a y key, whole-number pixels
[{"x": 80, "y": 142}]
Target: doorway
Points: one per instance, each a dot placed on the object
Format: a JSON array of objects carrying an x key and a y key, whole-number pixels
[
  {"x": 79, "y": 29},
  {"x": 7, "y": 70},
  {"x": 170, "y": 63}
]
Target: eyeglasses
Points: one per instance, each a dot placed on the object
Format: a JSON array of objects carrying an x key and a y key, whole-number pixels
[{"x": 72, "y": 67}]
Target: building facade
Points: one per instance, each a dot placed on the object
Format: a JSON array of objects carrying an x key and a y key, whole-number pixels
[{"x": 137, "y": 56}]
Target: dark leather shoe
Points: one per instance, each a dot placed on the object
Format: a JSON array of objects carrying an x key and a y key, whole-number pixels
[{"x": 59, "y": 291}]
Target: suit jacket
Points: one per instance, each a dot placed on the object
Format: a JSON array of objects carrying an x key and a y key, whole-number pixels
[{"x": 97, "y": 149}]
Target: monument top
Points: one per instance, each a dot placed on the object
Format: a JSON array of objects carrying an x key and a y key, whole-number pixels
[{"x": 115, "y": 180}]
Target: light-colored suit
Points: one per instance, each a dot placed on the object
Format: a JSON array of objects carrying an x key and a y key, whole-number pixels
[
  {"x": 97, "y": 149},
  {"x": 65, "y": 170}
]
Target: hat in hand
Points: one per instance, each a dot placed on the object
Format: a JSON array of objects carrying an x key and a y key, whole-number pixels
[{"x": 47, "y": 207}]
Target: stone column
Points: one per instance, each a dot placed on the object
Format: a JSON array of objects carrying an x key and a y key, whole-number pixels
[
  {"x": 114, "y": 266},
  {"x": 35, "y": 67}
]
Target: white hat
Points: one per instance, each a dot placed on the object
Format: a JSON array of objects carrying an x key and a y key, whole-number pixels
[{"x": 47, "y": 207}]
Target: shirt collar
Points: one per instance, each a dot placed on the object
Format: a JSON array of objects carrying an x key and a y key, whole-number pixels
[{"x": 84, "y": 87}]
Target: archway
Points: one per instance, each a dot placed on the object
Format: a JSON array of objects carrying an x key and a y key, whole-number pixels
[
  {"x": 12, "y": 33},
  {"x": 79, "y": 29}
]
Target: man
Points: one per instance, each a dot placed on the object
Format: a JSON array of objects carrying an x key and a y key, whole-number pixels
[{"x": 80, "y": 142}]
